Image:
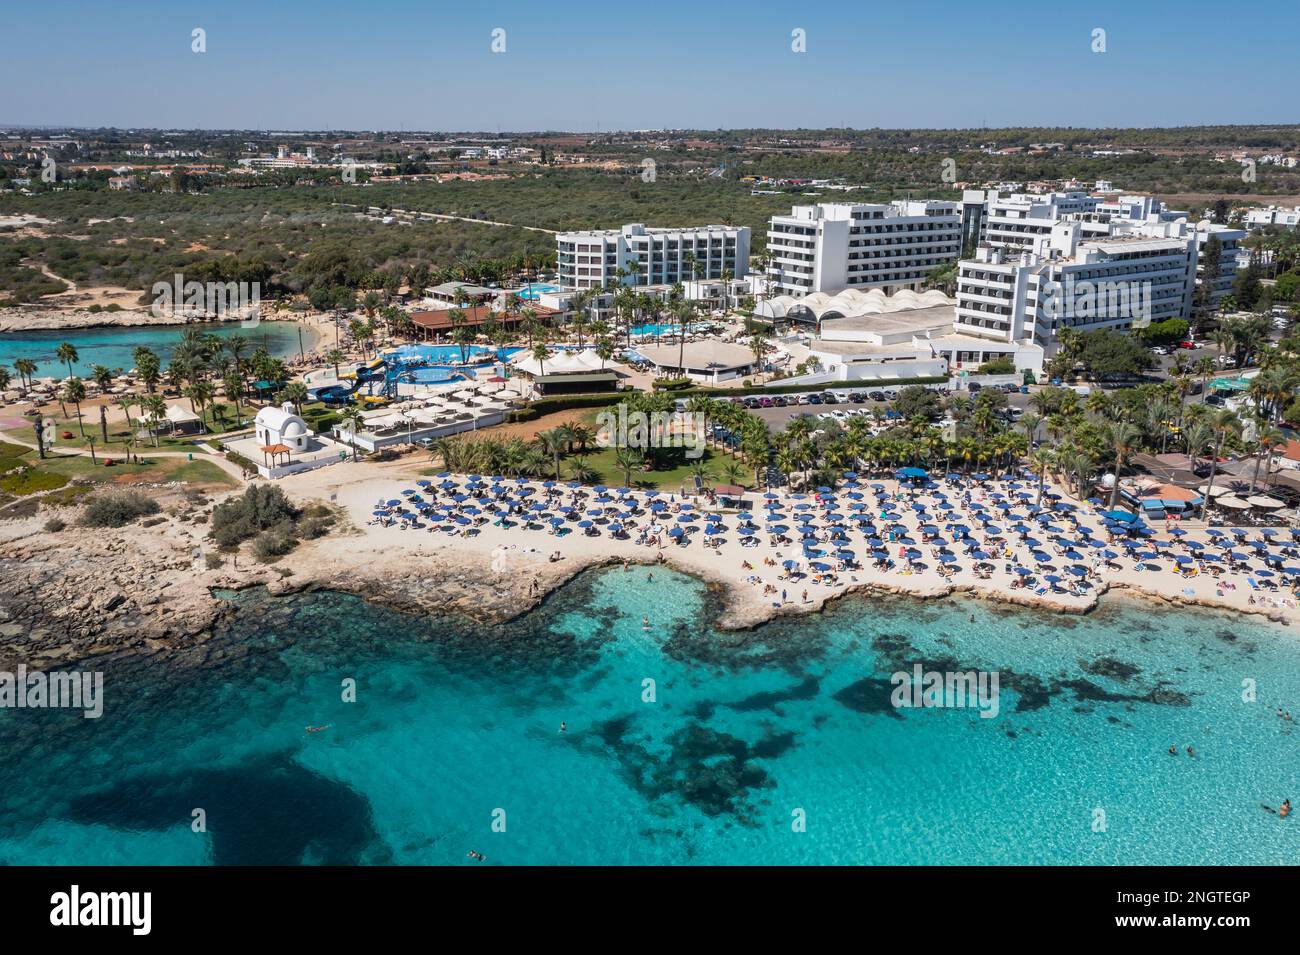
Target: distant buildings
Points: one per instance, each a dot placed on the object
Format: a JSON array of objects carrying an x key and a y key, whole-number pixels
[
  {"x": 832, "y": 246},
  {"x": 636, "y": 255},
  {"x": 1273, "y": 216}
]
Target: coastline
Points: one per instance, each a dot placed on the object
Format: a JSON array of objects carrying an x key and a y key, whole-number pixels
[
  {"x": 79, "y": 595},
  {"x": 14, "y": 319}
]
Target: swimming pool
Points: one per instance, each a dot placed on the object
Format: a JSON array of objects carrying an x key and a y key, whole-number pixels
[
  {"x": 533, "y": 291},
  {"x": 432, "y": 375},
  {"x": 446, "y": 354}
]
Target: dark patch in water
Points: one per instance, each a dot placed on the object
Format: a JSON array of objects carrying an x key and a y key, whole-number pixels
[
  {"x": 807, "y": 689},
  {"x": 870, "y": 695},
  {"x": 269, "y": 811},
  {"x": 1110, "y": 667},
  {"x": 711, "y": 770}
]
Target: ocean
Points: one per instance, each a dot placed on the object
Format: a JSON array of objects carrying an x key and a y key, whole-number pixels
[{"x": 681, "y": 744}]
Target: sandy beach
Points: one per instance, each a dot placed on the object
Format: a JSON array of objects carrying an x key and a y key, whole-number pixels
[{"x": 757, "y": 585}]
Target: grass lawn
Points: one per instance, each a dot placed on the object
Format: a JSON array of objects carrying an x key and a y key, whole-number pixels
[
  {"x": 602, "y": 461},
  {"x": 148, "y": 471}
]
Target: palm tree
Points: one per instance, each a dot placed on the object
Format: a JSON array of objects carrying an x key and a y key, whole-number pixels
[
  {"x": 1222, "y": 423},
  {"x": 628, "y": 460},
  {"x": 295, "y": 391},
  {"x": 25, "y": 368},
  {"x": 200, "y": 392},
  {"x": 5, "y": 378},
  {"x": 351, "y": 417},
  {"x": 540, "y": 353},
  {"x": 334, "y": 356},
  {"x": 90, "y": 443},
  {"x": 155, "y": 409},
  {"x": 553, "y": 443},
  {"x": 74, "y": 390},
  {"x": 103, "y": 377},
  {"x": 1267, "y": 439},
  {"x": 67, "y": 353},
  {"x": 1124, "y": 438}
]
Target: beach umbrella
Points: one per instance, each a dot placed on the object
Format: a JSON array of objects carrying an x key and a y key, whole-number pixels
[
  {"x": 790, "y": 564},
  {"x": 947, "y": 558},
  {"x": 1052, "y": 578},
  {"x": 820, "y": 566},
  {"x": 425, "y": 483},
  {"x": 1263, "y": 573}
]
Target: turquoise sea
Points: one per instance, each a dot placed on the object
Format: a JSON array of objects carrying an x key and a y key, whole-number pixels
[
  {"x": 115, "y": 347},
  {"x": 456, "y": 725}
]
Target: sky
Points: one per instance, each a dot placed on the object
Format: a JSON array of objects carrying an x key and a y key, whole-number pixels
[{"x": 646, "y": 64}]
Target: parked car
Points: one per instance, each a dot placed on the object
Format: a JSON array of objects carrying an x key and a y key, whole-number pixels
[
  {"x": 1160, "y": 350},
  {"x": 828, "y": 398},
  {"x": 814, "y": 400},
  {"x": 856, "y": 398},
  {"x": 877, "y": 396},
  {"x": 779, "y": 401}
]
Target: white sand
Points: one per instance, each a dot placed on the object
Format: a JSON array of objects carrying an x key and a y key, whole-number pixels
[{"x": 514, "y": 553}]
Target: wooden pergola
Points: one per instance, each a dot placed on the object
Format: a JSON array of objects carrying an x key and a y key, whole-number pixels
[{"x": 274, "y": 450}]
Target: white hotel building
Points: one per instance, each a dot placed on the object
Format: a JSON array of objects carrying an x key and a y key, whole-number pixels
[
  {"x": 592, "y": 260},
  {"x": 1067, "y": 280},
  {"x": 833, "y": 246}
]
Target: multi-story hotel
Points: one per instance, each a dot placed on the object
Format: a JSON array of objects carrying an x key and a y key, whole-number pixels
[
  {"x": 1068, "y": 280},
  {"x": 833, "y": 246},
  {"x": 635, "y": 255}
]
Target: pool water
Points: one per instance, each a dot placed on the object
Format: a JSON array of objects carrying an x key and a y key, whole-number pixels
[
  {"x": 531, "y": 293},
  {"x": 448, "y": 354}
]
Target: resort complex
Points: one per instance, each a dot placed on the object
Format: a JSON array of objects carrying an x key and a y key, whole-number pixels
[{"x": 545, "y": 464}]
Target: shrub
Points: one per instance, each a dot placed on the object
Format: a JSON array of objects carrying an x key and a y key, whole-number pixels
[
  {"x": 118, "y": 510},
  {"x": 213, "y": 561},
  {"x": 271, "y": 545},
  {"x": 313, "y": 527},
  {"x": 257, "y": 509},
  {"x": 55, "y": 524}
]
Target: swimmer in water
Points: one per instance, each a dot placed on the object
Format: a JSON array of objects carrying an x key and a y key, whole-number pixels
[
  {"x": 1173, "y": 750},
  {"x": 563, "y": 726},
  {"x": 1190, "y": 751},
  {"x": 317, "y": 729},
  {"x": 645, "y": 623},
  {"x": 1285, "y": 809}
]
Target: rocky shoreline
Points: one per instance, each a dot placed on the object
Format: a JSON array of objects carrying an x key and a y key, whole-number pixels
[
  {"x": 80, "y": 598},
  {"x": 15, "y": 319}
]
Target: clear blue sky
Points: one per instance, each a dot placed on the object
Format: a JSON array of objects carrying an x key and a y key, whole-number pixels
[{"x": 633, "y": 64}]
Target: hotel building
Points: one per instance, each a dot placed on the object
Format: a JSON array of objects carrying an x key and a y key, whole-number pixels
[
  {"x": 636, "y": 255},
  {"x": 833, "y": 246},
  {"x": 1068, "y": 280}
]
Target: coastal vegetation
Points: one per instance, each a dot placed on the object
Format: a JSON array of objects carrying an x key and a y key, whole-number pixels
[
  {"x": 117, "y": 509},
  {"x": 266, "y": 516}
]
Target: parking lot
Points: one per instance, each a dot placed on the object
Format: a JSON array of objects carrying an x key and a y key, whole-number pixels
[{"x": 777, "y": 417}]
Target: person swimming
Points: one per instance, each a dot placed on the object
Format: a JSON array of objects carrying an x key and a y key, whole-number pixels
[
  {"x": 1173, "y": 750},
  {"x": 1190, "y": 751},
  {"x": 318, "y": 729},
  {"x": 563, "y": 726},
  {"x": 645, "y": 623},
  {"x": 1285, "y": 809}
]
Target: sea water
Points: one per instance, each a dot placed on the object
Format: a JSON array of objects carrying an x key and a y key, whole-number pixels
[
  {"x": 114, "y": 347},
  {"x": 682, "y": 744}
]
